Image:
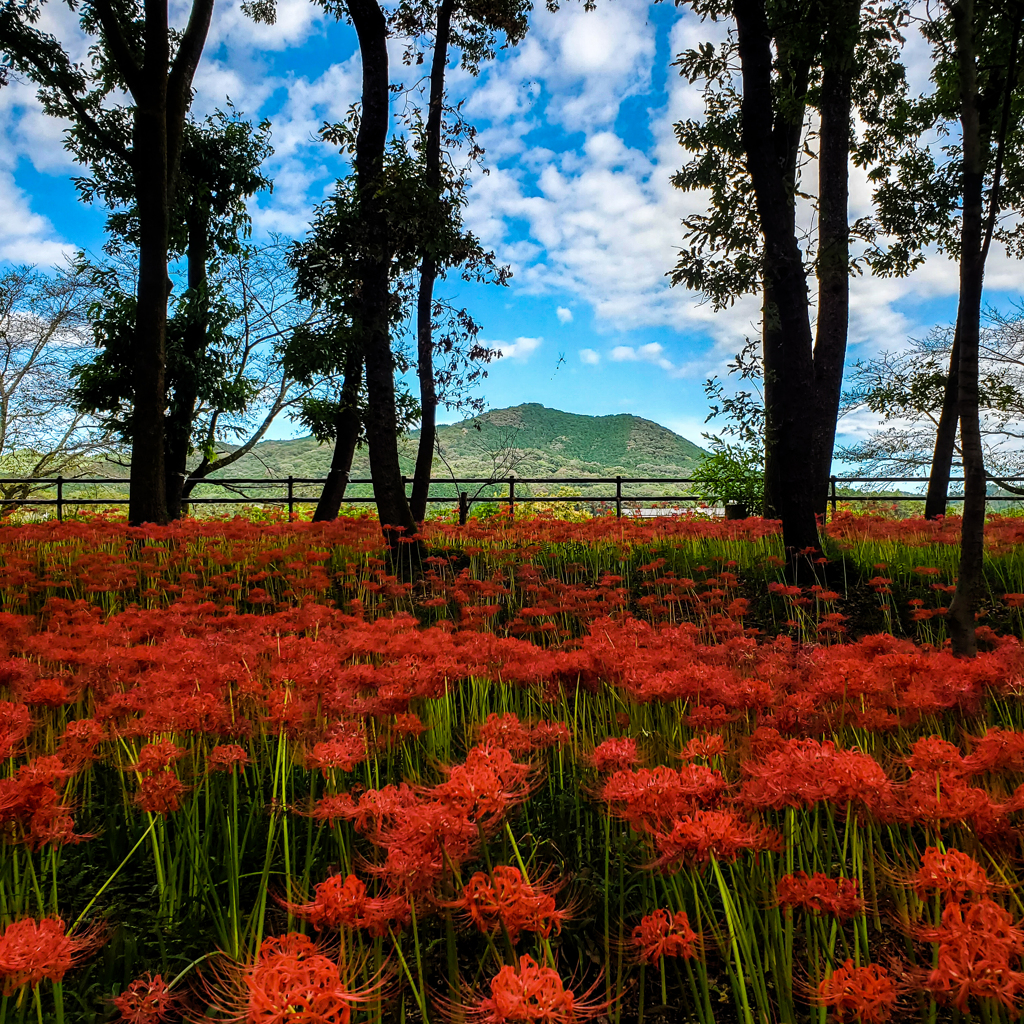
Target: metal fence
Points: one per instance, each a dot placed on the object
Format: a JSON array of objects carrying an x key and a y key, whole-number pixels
[{"x": 291, "y": 485}]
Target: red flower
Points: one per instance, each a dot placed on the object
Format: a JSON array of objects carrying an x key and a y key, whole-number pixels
[
  {"x": 293, "y": 982},
  {"x": 711, "y": 745},
  {"x": 866, "y": 994},
  {"x": 615, "y": 754},
  {"x": 531, "y": 994},
  {"x": 725, "y": 834},
  {"x": 661, "y": 934},
  {"x": 156, "y": 756},
  {"x": 820, "y": 893},
  {"x": 225, "y": 757},
  {"x": 147, "y": 1000},
  {"x": 978, "y": 949},
  {"x": 505, "y": 898},
  {"x": 160, "y": 793},
  {"x": 344, "y": 750},
  {"x": 32, "y": 950},
  {"x": 342, "y": 902},
  {"x": 952, "y": 873}
]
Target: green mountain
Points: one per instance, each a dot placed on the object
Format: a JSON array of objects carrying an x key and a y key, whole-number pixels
[
  {"x": 529, "y": 440},
  {"x": 546, "y": 442}
]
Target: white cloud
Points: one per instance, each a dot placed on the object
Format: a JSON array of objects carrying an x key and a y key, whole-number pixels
[
  {"x": 564, "y": 315},
  {"x": 650, "y": 353},
  {"x": 521, "y": 348},
  {"x": 27, "y": 236},
  {"x": 589, "y": 357}
]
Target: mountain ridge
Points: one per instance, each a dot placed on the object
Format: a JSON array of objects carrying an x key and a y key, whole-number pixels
[{"x": 536, "y": 440}]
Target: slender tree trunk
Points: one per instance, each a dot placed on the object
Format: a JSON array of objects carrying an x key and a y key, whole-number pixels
[
  {"x": 789, "y": 364},
  {"x": 428, "y": 273},
  {"x": 162, "y": 92},
  {"x": 147, "y": 495},
  {"x": 186, "y": 394},
  {"x": 374, "y": 304},
  {"x": 833, "y": 237},
  {"x": 346, "y": 437},
  {"x": 945, "y": 436},
  {"x": 970, "y": 577}
]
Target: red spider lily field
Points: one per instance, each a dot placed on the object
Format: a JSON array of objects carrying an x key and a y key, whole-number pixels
[{"x": 613, "y": 770}]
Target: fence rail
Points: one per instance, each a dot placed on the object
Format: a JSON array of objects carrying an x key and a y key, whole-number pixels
[{"x": 508, "y": 484}]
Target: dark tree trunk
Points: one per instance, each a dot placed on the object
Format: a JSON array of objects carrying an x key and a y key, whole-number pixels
[
  {"x": 945, "y": 436},
  {"x": 147, "y": 491},
  {"x": 833, "y": 237},
  {"x": 972, "y": 270},
  {"x": 346, "y": 437},
  {"x": 186, "y": 394},
  {"x": 975, "y": 239},
  {"x": 788, "y": 354},
  {"x": 428, "y": 273},
  {"x": 381, "y": 416},
  {"x": 162, "y": 92}
]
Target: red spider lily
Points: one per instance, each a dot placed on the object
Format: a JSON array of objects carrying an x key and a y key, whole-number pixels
[
  {"x": 293, "y": 981},
  {"x": 952, "y": 873},
  {"x": 31, "y": 809},
  {"x": 226, "y": 757},
  {"x": 160, "y": 793},
  {"x": 155, "y": 757},
  {"x": 978, "y": 948},
  {"x": 999, "y": 750},
  {"x": 530, "y": 994},
  {"x": 651, "y": 796},
  {"x": 487, "y": 785},
  {"x": 663, "y": 934},
  {"x": 705, "y": 747},
  {"x": 32, "y": 950},
  {"x": 46, "y": 693},
  {"x": 344, "y": 750},
  {"x": 79, "y": 742},
  {"x": 408, "y": 724},
  {"x": 867, "y": 994},
  {"x": 507, "y": 731},
  {"x": 342, "y": 902},
  {"x": 505, "y": 898},
  {"x": 820, "y": 893},
  {"x": 15, "y": 727},
  {"x": 724, "y": 834},
  {"x": 550, "y": 734},
  {"x": 617, "y": 753},
  {"x": 147, "y": 1000},
  {"x": 938, "y": 756},
  {"x": 800, "y": 773}
]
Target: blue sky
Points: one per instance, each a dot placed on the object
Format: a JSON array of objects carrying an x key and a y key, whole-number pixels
[{"x": 577, "y": 126}]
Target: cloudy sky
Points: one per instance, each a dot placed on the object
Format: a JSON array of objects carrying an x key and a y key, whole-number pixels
[{"x": 577, "y": 127}]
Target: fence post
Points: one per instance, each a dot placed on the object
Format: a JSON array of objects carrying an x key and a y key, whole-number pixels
[
  {"x": 291, "y": 497},
  {"x": 60, "y": 499},
  {"x": 618, "y": 497},
  {"x": 511, "y": 495},
  {"x": 463, "y": 507},
  {"x": 833, "y": 482}
]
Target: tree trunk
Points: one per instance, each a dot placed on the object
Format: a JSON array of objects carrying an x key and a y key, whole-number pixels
[
  {"x": 373, "y": 312},
  {"x": 185, "y": 397},
  {"x": 147, "y": 496},
  {"x": 970, "y": 577},
  {"x": 428, "y": 273},
  {"x": 945, "y": 436},
  {"x": 345, "y": 439},
  {"x": 833, "y": 238},
  {"x": 162, "y": 92},
  {"x": 788, "y": 355}
]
